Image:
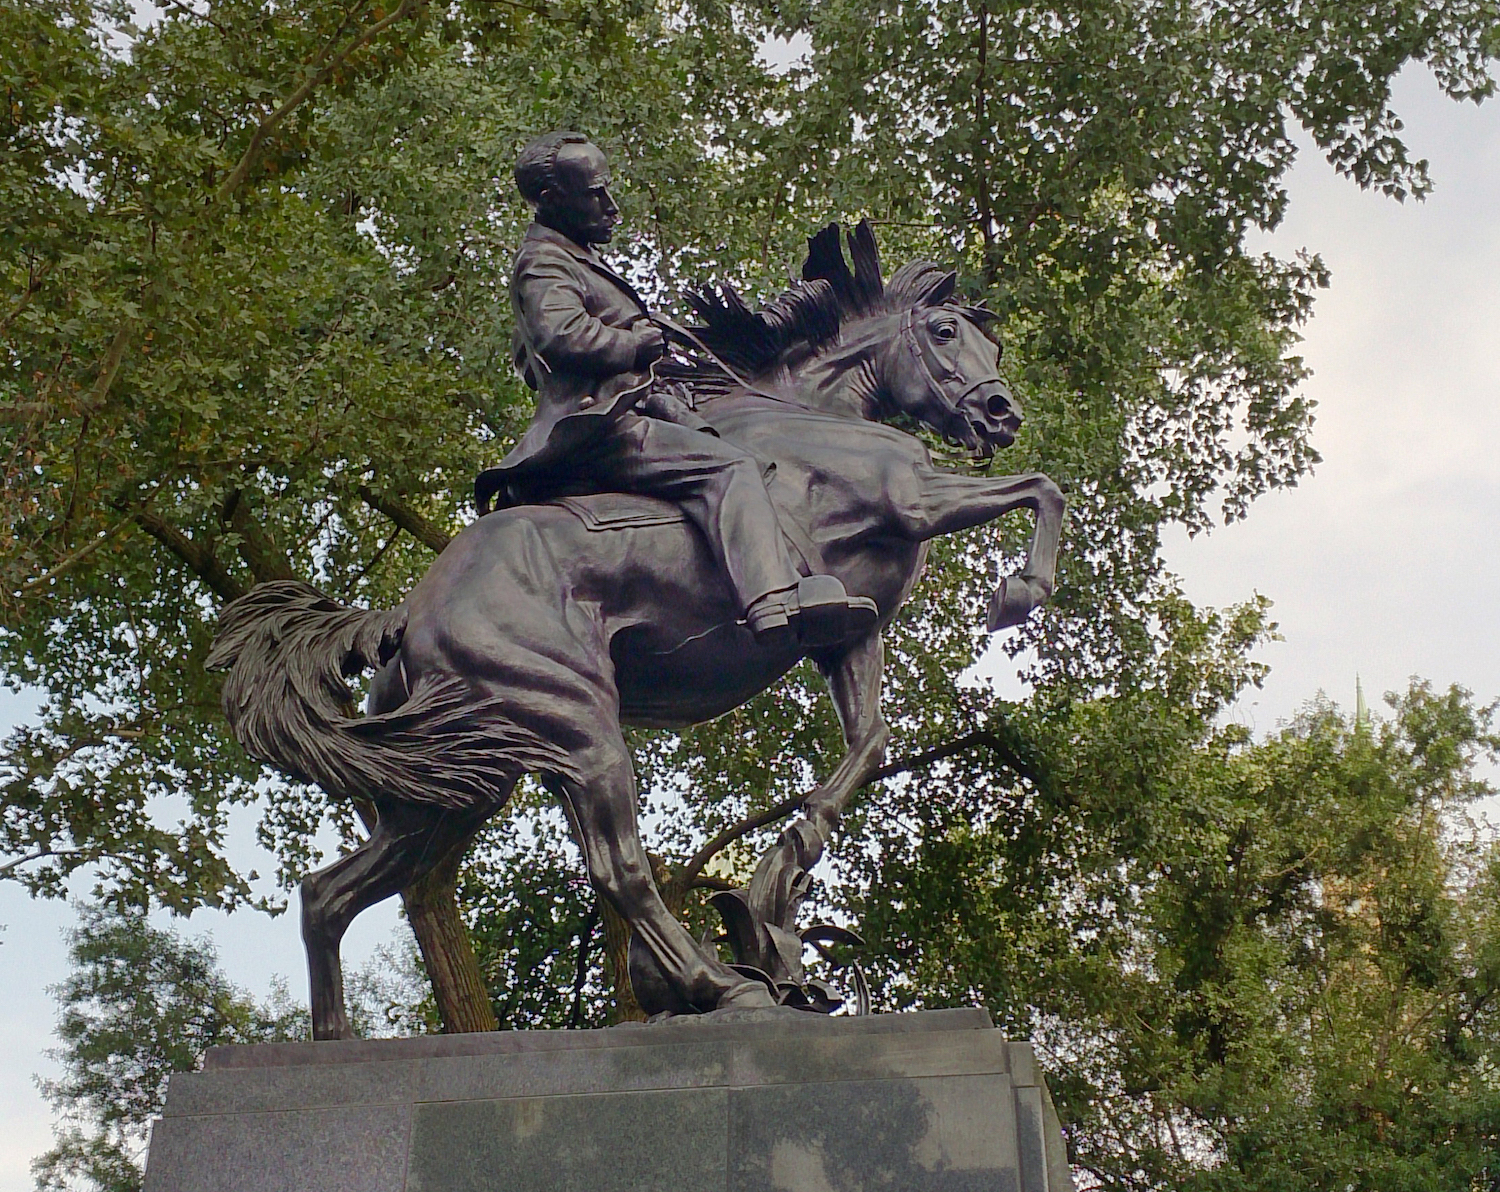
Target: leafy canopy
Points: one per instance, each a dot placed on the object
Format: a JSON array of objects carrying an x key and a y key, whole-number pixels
[{"x": 256, "y": 325}]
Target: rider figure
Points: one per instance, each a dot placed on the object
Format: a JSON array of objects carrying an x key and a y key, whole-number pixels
[{"x": 585, "y": 342}]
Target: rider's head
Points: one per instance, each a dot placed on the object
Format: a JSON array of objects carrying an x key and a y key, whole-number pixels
[{"x": 566, "y": 178}]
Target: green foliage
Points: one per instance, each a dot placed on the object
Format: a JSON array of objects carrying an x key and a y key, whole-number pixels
[
  {"x": 1248, "y": 965},
  {"x": 535, "y": 923},
  {"x": 257, "y": 325},
  {"x": 142, "y": 1002}
]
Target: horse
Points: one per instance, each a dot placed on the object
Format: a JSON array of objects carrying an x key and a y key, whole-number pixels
[{"x": 543, "y": 628}]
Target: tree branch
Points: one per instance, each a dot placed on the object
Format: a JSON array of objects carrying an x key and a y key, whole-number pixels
[
  {"x": 16, "y": 862},
  {"x": 78, "y": 556},
  {"x": 732, "y": 833},
  {"x": 196, "y": 553},
  {"x": 316, "y": 79},
  {"x": 260, "y": 552},
  {"x": 109, "y": 369},
  {"x": 188, "y": 11},
  {"x": 374, "y": 562},
  {"x": 980, "y": 737},
  {"x": 33, "y": 284},
  {"x": 581, "y": 970},
  {"x": 407, "y": 518}
]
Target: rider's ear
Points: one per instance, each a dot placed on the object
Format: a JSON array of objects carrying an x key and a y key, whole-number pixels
[{"x": 942, "y": 291}]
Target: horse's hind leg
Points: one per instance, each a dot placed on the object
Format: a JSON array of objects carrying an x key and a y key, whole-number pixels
[
  {"x": 600, "y": 803},
  {"x": 406, "y": 842}
]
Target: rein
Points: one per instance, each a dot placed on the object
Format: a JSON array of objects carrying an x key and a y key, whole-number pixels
[
  {"x": 945, "y": 385},
  {"x": 693, "y": 340}
]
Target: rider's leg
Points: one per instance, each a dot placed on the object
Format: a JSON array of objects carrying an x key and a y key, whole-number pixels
[
  {"x": 719, "y": 487},
  {"x": 722, "y": 490}
]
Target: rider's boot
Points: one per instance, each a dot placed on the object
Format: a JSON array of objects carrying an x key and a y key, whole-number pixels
[{"x": 817, "y": 612}]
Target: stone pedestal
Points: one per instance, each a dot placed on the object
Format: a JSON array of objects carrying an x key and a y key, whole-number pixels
[{"x": 927, "y": 1102}]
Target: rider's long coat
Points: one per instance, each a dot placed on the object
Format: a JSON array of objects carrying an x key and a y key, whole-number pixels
[{"x": 574, "y": 346}]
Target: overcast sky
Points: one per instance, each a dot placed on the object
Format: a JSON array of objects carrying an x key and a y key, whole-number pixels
[{"x": 1381, "y": 565}]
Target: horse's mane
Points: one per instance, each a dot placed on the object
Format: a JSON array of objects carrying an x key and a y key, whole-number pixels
[{"x": 811, "y": 312}]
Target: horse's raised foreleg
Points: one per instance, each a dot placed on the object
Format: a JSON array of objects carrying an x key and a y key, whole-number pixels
[
  {"x": 675, "y": 974},
  {"x": 940, "y": 503},
  {"x": 406, "y": 842}
]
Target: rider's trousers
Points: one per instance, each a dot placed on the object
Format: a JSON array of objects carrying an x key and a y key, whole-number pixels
[{"x": 718, "y": 486}]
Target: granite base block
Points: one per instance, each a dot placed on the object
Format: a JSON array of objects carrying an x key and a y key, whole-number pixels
[{"x": 928, "y": 1102}]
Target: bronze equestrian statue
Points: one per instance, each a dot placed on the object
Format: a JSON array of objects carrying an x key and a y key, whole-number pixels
[{"x": 621, "y": 584}]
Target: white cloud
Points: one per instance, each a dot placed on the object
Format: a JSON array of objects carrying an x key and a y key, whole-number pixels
[{"x": 1383, "y": 563}]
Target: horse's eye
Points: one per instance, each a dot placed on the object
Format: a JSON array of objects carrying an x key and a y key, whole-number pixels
[{"x": 944, "y": 331}]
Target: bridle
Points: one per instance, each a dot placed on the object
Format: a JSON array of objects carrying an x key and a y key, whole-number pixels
[{"x": 946, "y": 384}]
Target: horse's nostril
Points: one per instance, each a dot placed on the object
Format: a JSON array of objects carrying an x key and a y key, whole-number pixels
[{"x": 999, "y": 405}]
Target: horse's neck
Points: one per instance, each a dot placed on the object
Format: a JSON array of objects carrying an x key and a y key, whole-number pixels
[{"x": 845, "y": 378}]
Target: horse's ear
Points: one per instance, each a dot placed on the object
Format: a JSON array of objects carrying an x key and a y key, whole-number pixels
[
  {"x": 981, "y": 315},
  {"x": 942, "y": 290}
]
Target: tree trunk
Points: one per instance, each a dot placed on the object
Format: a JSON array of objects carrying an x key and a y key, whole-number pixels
[
  {"x": 617, "y": 965},
  {"x": 463, "y": 1001}
]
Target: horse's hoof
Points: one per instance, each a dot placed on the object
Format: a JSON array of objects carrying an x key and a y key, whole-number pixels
[
  {"x": 1011, "y": 604},
  {"x": 752, "y": 995}
]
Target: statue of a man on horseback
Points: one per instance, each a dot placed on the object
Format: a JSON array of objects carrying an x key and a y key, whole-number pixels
[
  {"x": 585, "y": 341},
  {"x": 544, "y": 626}
]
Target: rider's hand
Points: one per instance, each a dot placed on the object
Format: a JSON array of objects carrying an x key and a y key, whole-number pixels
[{"x": 650, "y": 345}]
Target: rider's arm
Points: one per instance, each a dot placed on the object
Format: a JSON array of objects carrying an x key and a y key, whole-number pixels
[{"x": 550, "y": 304}]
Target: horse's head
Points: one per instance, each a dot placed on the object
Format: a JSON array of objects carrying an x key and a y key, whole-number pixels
[
  {"x": 943, "y": 370},
  {"x": 849, "y": 342},
  {"x": 936, "y": 364}
]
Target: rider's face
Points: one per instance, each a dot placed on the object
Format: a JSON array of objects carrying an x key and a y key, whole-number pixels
[{"x": 579, "y": 205}]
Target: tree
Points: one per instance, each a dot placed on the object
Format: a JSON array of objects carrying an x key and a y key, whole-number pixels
[
  {"x": 142, "y": 1002},
  {"x": 1248, "y": 965},
  {"x": 259, "y": 329}
]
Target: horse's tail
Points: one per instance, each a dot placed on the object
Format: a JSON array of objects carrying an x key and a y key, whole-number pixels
[{"x": 288, "y": 648}]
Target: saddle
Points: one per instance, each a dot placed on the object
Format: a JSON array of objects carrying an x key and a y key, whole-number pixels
[{"x": 601, "y": 512}]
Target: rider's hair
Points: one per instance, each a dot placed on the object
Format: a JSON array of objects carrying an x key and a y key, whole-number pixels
[{"x": 536, "y": 167}]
